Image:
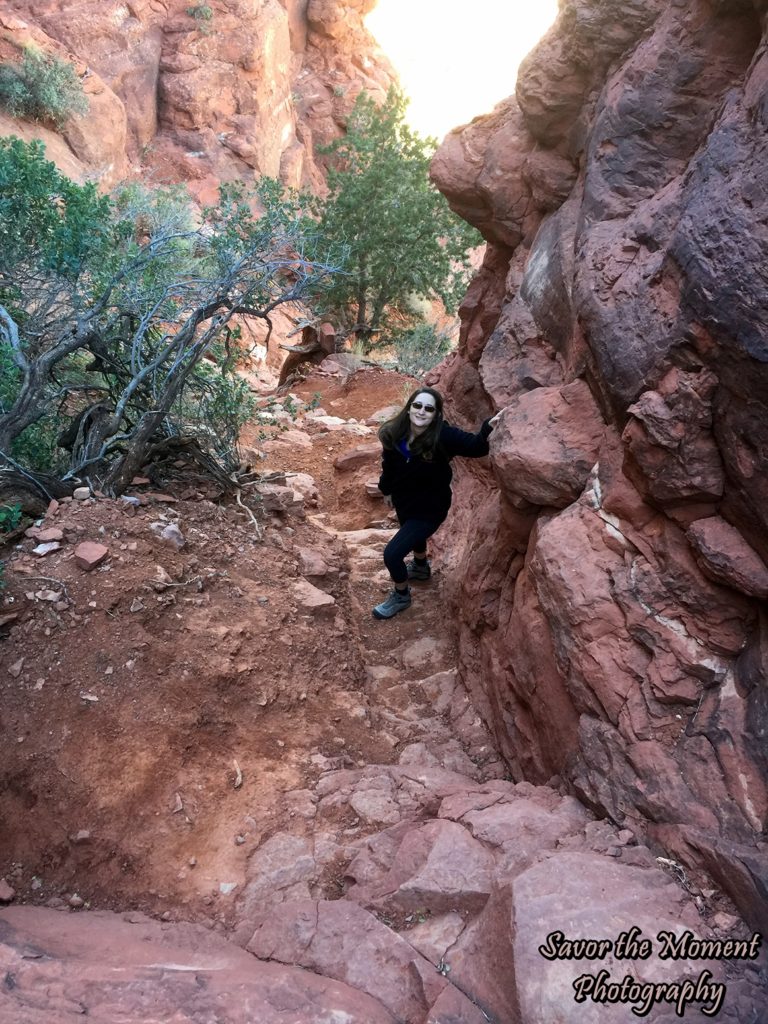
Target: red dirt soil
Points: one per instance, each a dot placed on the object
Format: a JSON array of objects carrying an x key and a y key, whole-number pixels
[{"x": 139, "y": 703}]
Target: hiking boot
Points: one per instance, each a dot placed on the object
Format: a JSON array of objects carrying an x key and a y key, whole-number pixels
[
  {"x": 418, "y": 572},
  {"x": 396, "y": 602}
]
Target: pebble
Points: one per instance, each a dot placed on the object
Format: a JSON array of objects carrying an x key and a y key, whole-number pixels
[
  {"x": 6, "y": 892},
  {"x": 81, "y": 493},
  {"x": 89, "y": 554}
]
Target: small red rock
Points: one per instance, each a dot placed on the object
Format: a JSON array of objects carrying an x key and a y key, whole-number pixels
[
  {"x": 89, "y": 554},
  {"x": 51, "y": 534}
]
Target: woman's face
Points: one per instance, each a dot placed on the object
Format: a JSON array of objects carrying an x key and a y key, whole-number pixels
[{"x": 422, "y": 412}]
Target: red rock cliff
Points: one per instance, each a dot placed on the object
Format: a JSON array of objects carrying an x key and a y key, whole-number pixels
[
  {"x": 181, "y": 91},
  {"x": 612, "y": 577}
]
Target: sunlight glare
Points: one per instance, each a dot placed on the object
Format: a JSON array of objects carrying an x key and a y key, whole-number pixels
[{"x": 457, "y": 60}]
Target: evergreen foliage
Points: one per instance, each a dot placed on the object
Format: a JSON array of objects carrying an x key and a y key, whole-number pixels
[
  {"x": 403, "y": 240},
  {"x": 41, "y": 88},
  {"x": 400, "y": 240}
]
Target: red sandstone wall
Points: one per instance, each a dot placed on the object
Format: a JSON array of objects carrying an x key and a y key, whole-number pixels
[
  {"x": 611, "y": 577},
  {"x": 252, "y": 91}
]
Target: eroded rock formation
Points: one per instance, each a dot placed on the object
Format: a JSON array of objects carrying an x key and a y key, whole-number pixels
[
  {"x": 200, "y": 92},
  {"x": 612, "y": 597}
]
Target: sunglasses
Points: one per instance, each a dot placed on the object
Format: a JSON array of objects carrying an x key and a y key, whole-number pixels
[{"x": 426, "y": 408}]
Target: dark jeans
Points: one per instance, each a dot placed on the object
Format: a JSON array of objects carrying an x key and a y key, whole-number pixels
[{"x": 412, "y": 536}]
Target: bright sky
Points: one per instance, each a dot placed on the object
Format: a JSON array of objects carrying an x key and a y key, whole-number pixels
[{"x": 456, "y": 59}]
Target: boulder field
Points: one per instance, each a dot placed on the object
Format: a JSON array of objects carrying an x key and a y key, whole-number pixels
[{"x": 611, "y": 573}]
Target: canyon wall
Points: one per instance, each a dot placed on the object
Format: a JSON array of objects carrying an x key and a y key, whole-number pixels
[
  {"x": 610, "y": 576},
  {"x": 202, "y": 93}
]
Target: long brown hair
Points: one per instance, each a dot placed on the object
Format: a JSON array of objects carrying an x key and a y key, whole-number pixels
[{"x": 397, "y": 428}]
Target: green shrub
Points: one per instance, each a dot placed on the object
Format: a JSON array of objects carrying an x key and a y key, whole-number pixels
[
  {"x": 41, "y": 88},
  {"x": 420, "y": 348},
  {"x": 200, "y": 12}
]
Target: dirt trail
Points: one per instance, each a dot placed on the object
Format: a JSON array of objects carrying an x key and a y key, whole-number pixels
[{"x": 131, "y": 707}]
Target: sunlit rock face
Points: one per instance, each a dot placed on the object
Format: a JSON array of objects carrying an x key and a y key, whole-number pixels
[
  {"x": 182, "y": 91},
  {"x": 610, "y": 575}
]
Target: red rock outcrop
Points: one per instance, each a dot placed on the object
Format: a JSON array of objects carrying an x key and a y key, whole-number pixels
[
  {"x": 611, "y": 574},
  {"x": 201, "y": 93}
]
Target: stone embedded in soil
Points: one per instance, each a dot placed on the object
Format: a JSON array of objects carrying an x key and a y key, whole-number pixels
[
  {"x": 312, "y": 600},
  {"x": 89, "y": 554},
  {"x": 356, "y": 457},
  {"x": 277, "y": 498},
  {"x": 311, "y": 562},
  {"x": 375, "y": 807},
  {"x": 6, "y": 892},
  {"x": 15, "y": 669},
  {"x": 288, "y": 439},
  {"x": 52, "y": 533},
  {"x": 382, "y": 415},
  {"x": 81, "y": 493}
]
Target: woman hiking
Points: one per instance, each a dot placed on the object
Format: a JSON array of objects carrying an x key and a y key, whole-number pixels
[{"x": 416, "y": 474}]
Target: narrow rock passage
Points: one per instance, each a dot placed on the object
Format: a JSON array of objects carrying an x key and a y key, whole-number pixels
[{"x": 417, "y": 703}]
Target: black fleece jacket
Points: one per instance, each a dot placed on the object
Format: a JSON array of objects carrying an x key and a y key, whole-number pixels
[{"x": 421, "y": 489}]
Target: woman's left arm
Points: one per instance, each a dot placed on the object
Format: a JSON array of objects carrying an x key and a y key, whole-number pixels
[{"x": 465, "y": 444}]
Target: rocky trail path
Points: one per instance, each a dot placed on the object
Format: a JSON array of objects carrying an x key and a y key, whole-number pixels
[{"x": 232, "y": 795}]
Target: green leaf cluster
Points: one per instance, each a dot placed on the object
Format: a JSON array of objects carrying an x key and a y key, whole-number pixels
[
  {"x": 10, "y": 517},
  {"x": 47, "y": 221},
  {"x": 42, "y": 88}
]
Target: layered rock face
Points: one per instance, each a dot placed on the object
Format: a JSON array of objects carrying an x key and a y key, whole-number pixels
[
  {"x": 201, "y": 93},
  {"x": 612, "y": 597}
]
